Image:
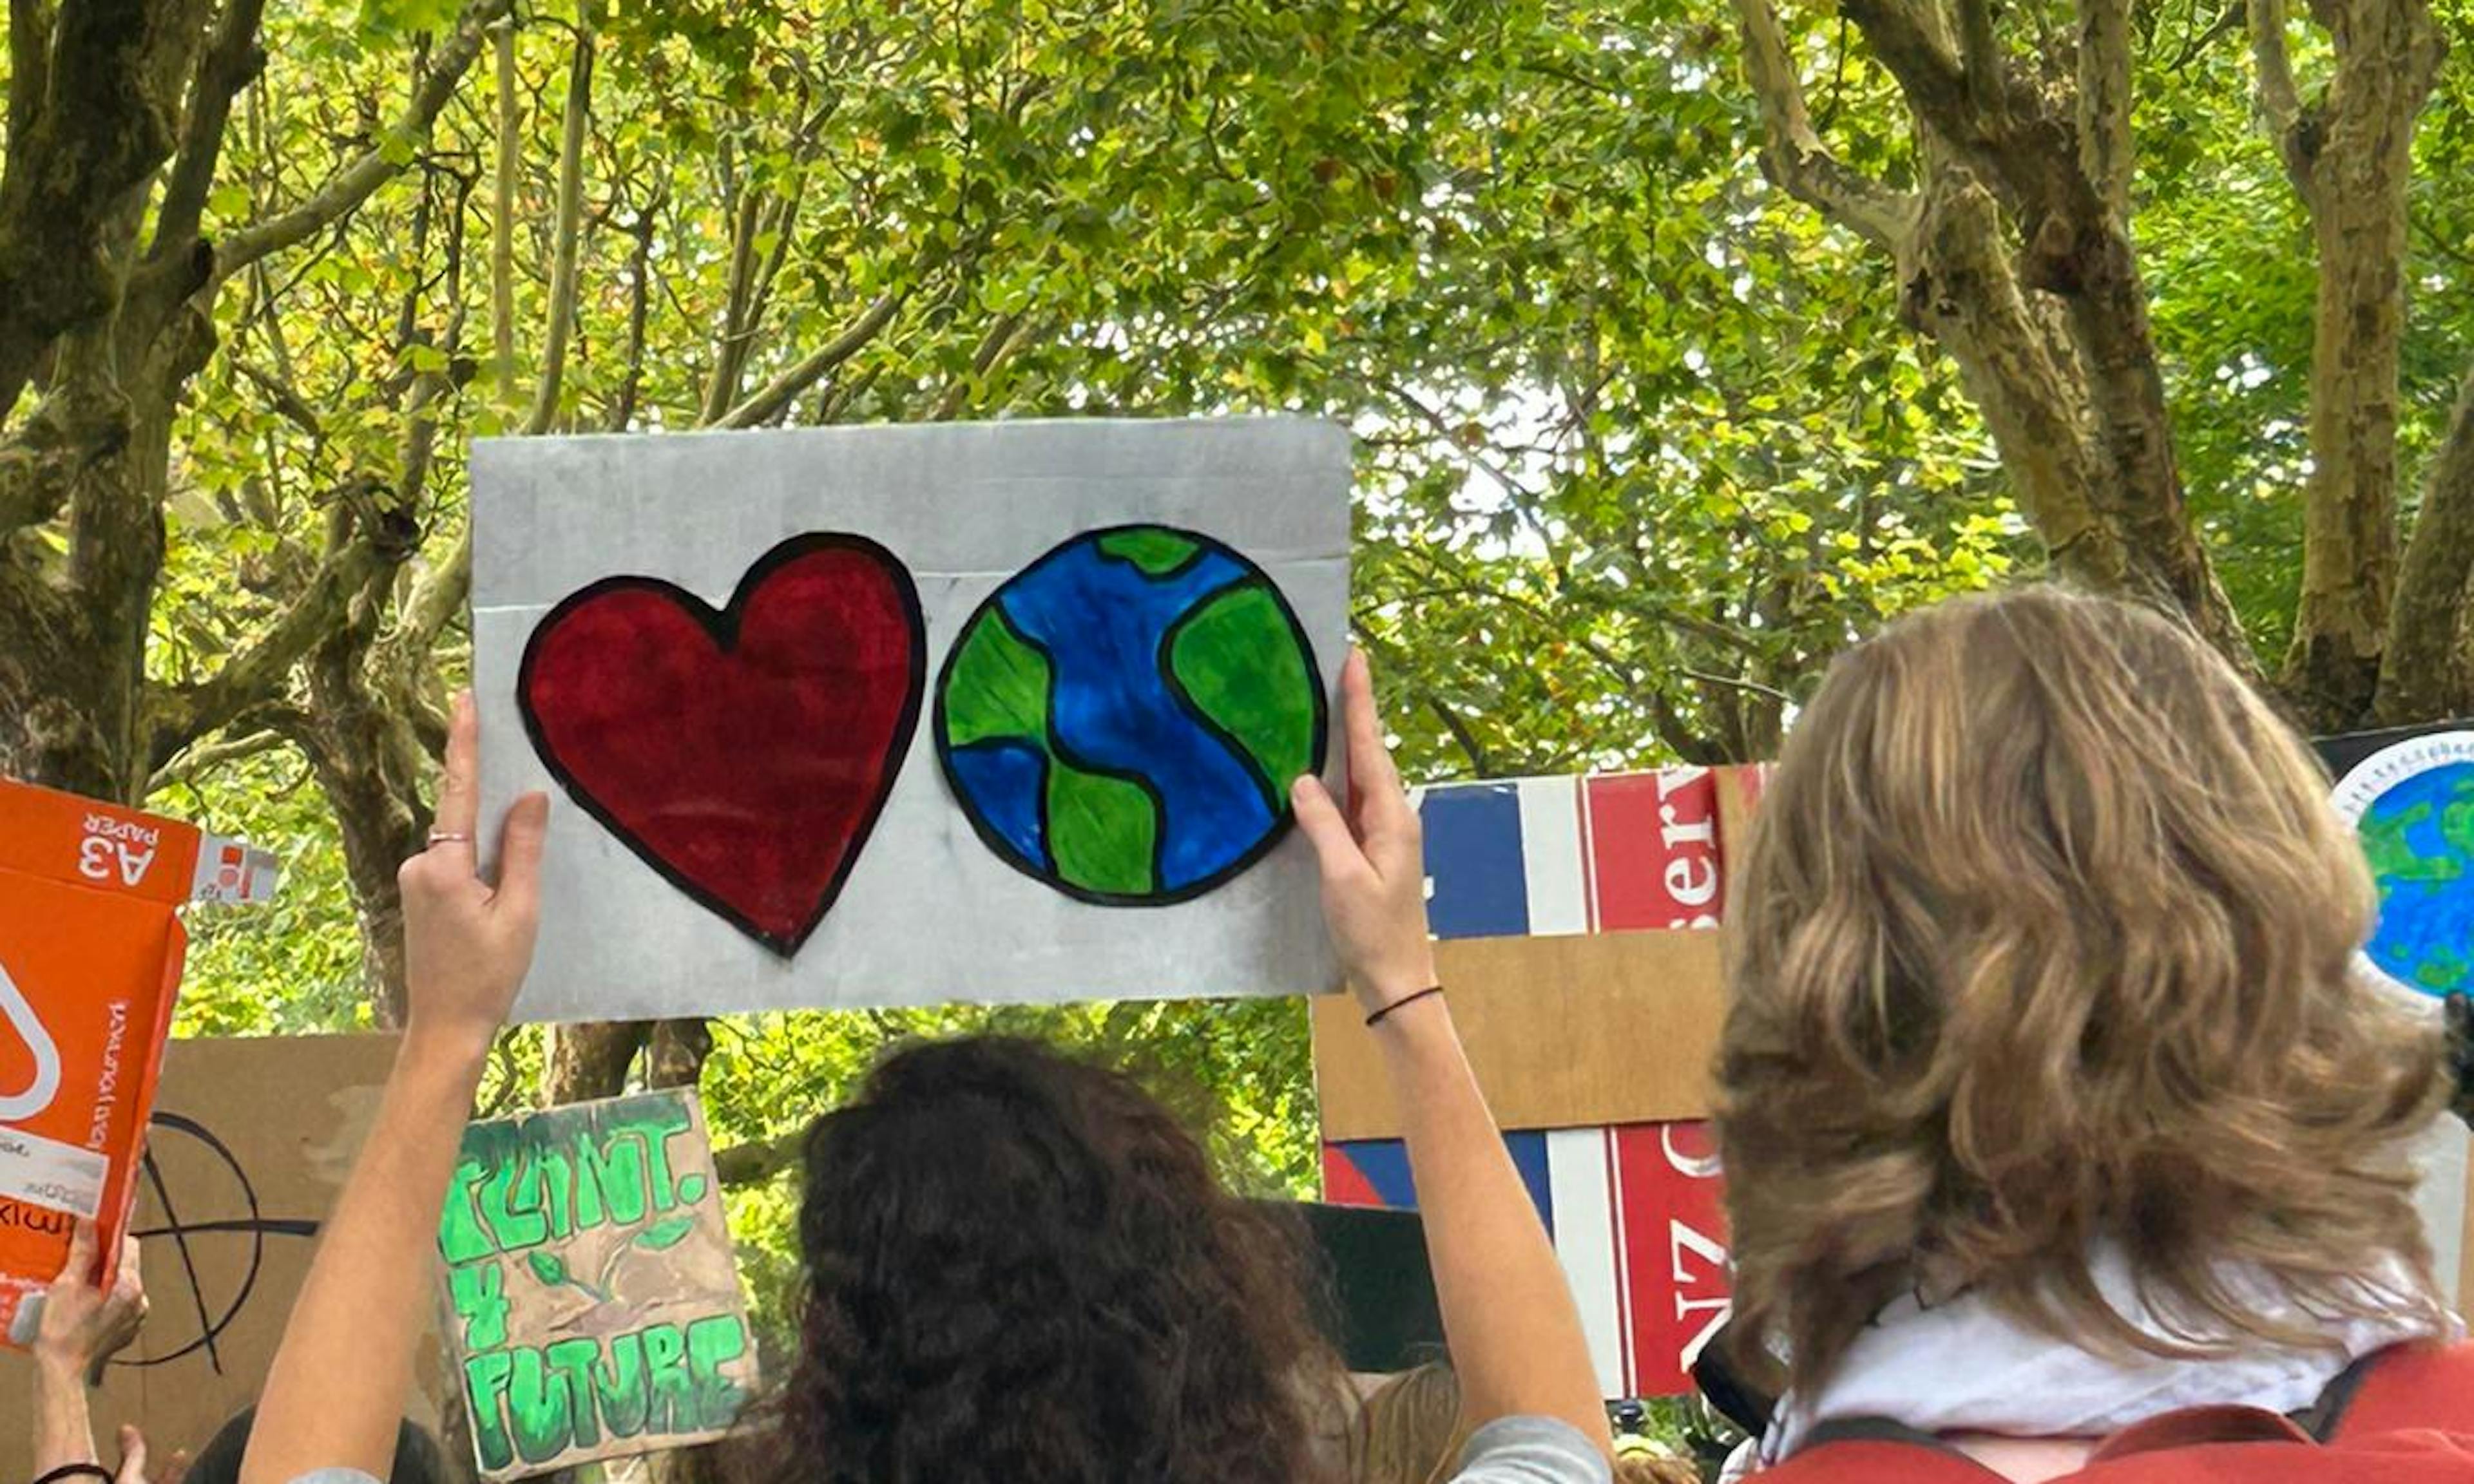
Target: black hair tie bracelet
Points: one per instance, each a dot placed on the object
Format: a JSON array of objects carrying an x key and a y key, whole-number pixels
[
  {"x": 1377, "y": 1018},
  {"x": 66, "y": 1471}
]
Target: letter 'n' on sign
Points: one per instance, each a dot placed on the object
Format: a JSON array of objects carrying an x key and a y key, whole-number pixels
[{"x": 591, "y": 1306}]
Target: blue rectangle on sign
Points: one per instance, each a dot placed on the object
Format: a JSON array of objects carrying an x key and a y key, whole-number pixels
[{"x": 1477, "y": 885}]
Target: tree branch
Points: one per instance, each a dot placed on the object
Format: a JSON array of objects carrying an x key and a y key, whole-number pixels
[
  {"x": 30, "y": 58},
  {"x": 434, "y": 602},
  {"x": 1932, "y": 80},
  {"x": 349, "y": 187},
  {"x": 78, "y": 149},
  {"x": 778, "y": 395},
  {"x": 561, "y": 327},
  {"x": 754, "y": 1164},
  {"x": 1001, "y": 340},
  {"x": 287, "y": 397},
  {"x": 231, "y": 60},
  {"x": 1480, "y": 765},
  {"x": 2280, "y": 101},
  {"x": 257, "y": 675},
  {"x": 640, "y": 301},
  {"x": 196, "y": 761},
  {"x": 2106, "y": 100},
  {"x": 2434, "y": 595},
  {"x": 1793, "y": 155},
  {"x": 1980, "y": 53},
  {"x": 730, "y": 358},
  {"x": 502, "y": 221}
]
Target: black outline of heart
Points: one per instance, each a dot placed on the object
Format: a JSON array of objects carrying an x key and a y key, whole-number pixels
[{"x": 722, "y": 624}]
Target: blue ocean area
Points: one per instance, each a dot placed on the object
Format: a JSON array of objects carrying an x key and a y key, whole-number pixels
[
  {"x": 2420, "y": 838},
  {"x": 1101, "y": 622}
]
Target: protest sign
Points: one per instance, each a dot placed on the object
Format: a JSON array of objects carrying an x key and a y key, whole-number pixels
[
  {"x": 247, "y": 1150},
  {"x": 592, "y": 1308},
  {"x": 1576, "y": 920},
  {"x": 90, "y": 955},
  {"x": 906, "y": 715},
  {"x": 1597, "y": 1056}
]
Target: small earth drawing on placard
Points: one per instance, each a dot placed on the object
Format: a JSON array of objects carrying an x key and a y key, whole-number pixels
[
  {"x": 2413, "y": 807},
  {"x": 1122, "y": 719}
]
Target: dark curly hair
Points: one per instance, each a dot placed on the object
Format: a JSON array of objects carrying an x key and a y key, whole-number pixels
[{"x": 1021, "y": 1268}]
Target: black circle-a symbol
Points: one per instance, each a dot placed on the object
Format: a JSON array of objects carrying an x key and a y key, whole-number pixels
[{"x": 254, "y": 1225}]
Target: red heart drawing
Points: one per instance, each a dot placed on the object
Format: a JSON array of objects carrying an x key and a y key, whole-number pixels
[{"x": 743, "y": 753}]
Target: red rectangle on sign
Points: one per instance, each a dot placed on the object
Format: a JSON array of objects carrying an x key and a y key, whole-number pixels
[
  {"x": 1673, "y": 1234},
  {"x": 1654, "y": 850}
]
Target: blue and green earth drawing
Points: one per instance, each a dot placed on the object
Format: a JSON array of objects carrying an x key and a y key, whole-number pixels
[
  {"x": 1122, "y": 718},
  {"x": 2419, "y": 834}
]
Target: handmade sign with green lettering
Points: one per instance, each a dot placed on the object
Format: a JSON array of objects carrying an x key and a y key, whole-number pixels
[{"x": 592, "y": 1302}]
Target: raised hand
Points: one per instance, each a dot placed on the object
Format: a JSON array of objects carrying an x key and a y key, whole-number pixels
[
  {"x": 468, "y": 945},
  {"x": 1372, "y": 857},
  {"x": 81, "y": 1326}
]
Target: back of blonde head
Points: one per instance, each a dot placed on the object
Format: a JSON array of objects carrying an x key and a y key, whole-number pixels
[{"x": 2045, "y": 944}]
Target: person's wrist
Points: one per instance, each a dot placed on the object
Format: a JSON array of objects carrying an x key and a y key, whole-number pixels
[
  {"x": 1394, "y": 983},
  {"x": 449, "y": 1043},
  {"x": 58, "y": 1362}
]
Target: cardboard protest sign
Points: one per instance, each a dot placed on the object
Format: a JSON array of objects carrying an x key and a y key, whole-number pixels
[
  {"x": 1594, "y": 1049},
  {"x": 2408, "y": 796},
  {"x": 250, "y": 1143},
  {"x": 902, "y": 715},
  {"x": 591, "y": 1305},
  {"x": 2411, "y": 800},
  {"x": 90, "y": 955}
]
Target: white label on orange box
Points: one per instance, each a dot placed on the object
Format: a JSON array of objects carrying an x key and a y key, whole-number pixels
[{"x": 45, "y": 1172}]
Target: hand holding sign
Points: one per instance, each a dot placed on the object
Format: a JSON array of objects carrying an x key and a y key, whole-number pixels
[
  {"x": 467, "y": 945},
  {"x": 1373, "y": 859}
]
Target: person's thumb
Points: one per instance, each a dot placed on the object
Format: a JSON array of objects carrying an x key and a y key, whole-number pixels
[
  {"x": 521, "y": 841},
  {"x": 1327, "y": 828}
]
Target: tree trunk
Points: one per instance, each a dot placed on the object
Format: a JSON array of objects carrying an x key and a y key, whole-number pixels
[
  {"x": 2358, "y": 176},
  {"x": 590, "y": 1060},
  {"x": 2428, "y": 668}
]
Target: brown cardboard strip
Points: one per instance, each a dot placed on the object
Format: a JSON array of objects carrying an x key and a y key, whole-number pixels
[
  {"x": 1569, "y": 1032},
  {"x": 249, "y": 1146}
]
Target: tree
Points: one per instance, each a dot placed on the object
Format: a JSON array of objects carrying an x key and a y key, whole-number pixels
[
  {"x": 2007, "y": 201},
  {"x": 111, "y": 278}
]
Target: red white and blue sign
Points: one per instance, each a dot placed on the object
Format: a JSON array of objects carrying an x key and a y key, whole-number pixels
[{"x": 1635, "y": 1210}]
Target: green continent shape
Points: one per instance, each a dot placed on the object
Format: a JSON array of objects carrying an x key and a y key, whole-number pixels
[
  {"x": 996, "y": 688},
  {"x": 1239, "y": 662},
  {"x": 1100, "y": 831},
  {"x": 1158, "y": 551}
]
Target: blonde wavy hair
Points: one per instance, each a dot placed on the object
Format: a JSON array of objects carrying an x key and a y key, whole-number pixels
[
  {"x": 1411, "y": 1431},
  {"x": 2045, "y": 942}
]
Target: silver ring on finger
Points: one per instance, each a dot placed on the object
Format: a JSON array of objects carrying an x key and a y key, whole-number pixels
[{"x": 438, "y": 837}]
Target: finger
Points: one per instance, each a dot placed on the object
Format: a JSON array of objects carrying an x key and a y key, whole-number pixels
[
  {"x": 1377, "y": 800},
  {"x": 132, "y": 1457},
  {"x": 131, "y": 1276},
  {"x": 79, "y": 1268},
  {"x": 520, "y": 840},
  {"x": 1335, "y": 848},
  {"x": 459, "y": 786}
]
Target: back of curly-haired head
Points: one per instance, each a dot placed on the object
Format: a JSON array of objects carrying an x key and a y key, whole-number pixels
[
  {"x": 2045, "y": 945},
  {"x": 1021, "y": 1268}
]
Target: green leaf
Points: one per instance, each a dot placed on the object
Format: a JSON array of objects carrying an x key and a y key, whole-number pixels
[
  {"x": 547, "y": 1266},
  {"x": 662, "y": 1236}
]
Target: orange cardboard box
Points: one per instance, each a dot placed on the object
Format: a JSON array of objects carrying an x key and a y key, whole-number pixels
[{"x": 90, "y": 954}]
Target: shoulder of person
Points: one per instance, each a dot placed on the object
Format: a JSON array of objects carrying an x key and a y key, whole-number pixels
[{"x": 1532, "y": 1450}]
